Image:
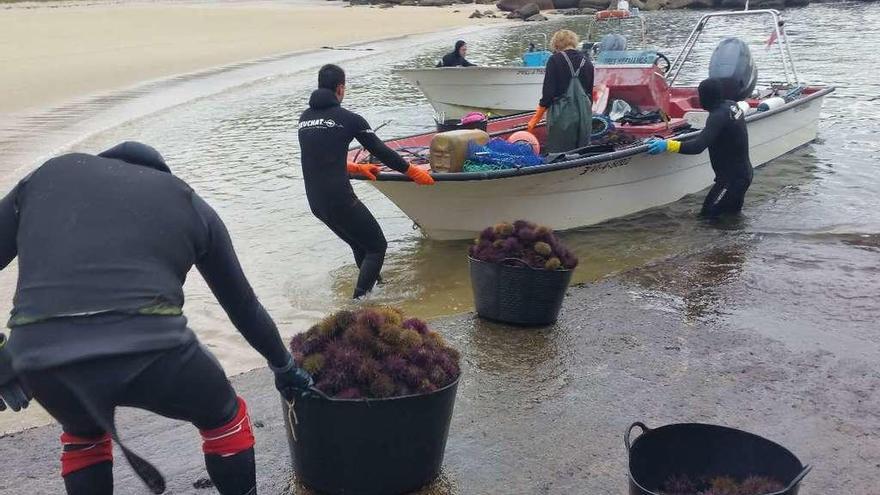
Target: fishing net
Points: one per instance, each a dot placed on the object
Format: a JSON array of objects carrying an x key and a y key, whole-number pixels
[{"x": 498, "y": 154}]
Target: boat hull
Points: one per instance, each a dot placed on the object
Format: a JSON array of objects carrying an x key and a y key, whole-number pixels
[
  {"x": 578, "y": 196},
  {"x": 456, "y": 91}
]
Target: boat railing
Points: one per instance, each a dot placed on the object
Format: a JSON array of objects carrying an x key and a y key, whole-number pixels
[
  {"x": 791, "y": 76},
  {"x": 527, "y": 37}
]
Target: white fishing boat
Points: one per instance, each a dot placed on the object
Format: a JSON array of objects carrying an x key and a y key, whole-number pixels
[
  {"x": 499, "y": 90},
  {"x": 585, "y": 188}
]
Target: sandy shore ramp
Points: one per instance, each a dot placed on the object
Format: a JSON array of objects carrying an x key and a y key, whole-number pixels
[
  {"x": 544, "y": 410},
  {"x": 52, "y": 54}
]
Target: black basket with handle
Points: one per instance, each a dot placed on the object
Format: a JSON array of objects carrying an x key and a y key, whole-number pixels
[
  {"x": 700, "y": 451},
  {"x": 369, "y": 446},
  {"x": 513, "y": 292}
]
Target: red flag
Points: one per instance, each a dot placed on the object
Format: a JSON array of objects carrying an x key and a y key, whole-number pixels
[{"x": 772, "y": 39}]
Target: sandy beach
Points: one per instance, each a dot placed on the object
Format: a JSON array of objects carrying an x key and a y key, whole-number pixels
[{"x": 53, "y": 53}]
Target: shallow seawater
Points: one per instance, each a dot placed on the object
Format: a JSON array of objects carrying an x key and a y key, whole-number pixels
[{"x": 239, "y": 150}]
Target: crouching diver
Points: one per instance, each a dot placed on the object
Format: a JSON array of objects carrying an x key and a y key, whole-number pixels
[
  {"x": 325, "y": 133},
  {"x": 726, "y": 137},
  {"x": 104, "y": 244}
]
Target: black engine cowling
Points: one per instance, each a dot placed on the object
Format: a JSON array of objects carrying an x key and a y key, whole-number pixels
[{"x": 732, "y": 62}]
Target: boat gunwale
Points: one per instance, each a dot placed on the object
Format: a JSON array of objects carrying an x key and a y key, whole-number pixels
[{"x": 578, "y": 162}]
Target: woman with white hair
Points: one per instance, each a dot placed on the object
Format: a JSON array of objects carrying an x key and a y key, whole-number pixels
[{"x": 568, "y": 86}]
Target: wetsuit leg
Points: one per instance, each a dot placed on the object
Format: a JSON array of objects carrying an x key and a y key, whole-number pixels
[
  {"x": 725, "y": 198},
  {"x": 185, "y": 383},
  {"x": 352, "y": 243},
  {"x": 359, "y": 254},
  {"x": 189, "y": 384},
  {"x": 358, "y": 227},
  {"x": 87, "y": 456}
]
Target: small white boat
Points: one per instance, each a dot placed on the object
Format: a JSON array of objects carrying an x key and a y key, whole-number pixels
[
  {"x": 456, "y": 91},
  {"x": 498, "y": 91},
  {"x": 586, "y": 190}
]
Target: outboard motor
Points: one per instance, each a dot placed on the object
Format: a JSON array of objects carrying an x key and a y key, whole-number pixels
[
  {"x": 732, "y": 62},
  {"x": 612, "y": 42}
]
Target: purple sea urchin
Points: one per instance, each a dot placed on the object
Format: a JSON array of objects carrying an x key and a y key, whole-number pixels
[
  {"x": 759, "y": 485},
  {"x": 537, "y": 246},
  {"x": 503, "y": 229},
  {"x": 417, "y": 325},
  {"x": 391, "y": 335},
  {"x": 370, "y": 318},
  {"x": 410, "y": 338},
  {"x": 359, "y": 336},
  {"x": 313, "y": 363},
  {"x": 375, "y": 353},
  {"x": 543, "y": 248},
  {"x": 382, "y": 386},
  {"x": 392, "y": 316},
  {"x": 719, "y": 485}
]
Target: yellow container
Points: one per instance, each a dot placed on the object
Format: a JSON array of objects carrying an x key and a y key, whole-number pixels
[{"x": 449, "y": 149}]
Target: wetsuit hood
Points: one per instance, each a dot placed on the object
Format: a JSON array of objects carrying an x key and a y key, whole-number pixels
[
  {"x": 458, "y": 45},
  {"x": 710, "y": 91},
  {"x": 137, "y": 154},
  {"x": 323, "y": 98}
]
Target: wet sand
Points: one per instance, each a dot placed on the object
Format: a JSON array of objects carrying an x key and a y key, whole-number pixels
[
  {"x": 544, "y": 411},
  {"x": 51, "y": 54}
]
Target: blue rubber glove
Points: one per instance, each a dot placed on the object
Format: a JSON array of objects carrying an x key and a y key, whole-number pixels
[{"x": 657, "y": 146}]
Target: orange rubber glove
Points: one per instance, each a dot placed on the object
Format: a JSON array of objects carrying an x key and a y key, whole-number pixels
[
  {"x": 419, "y": 176},
  {"x": 539, "y": 113},
  {"x": 368, "y": 170}
]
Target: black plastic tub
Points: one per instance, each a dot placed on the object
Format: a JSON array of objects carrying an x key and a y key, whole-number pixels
[
  {"x": 455, "y": 124},
  {"x": 519, "y": 295},
  {"x": 370, "y": 446},
  {"x": 704, "y": 451}
]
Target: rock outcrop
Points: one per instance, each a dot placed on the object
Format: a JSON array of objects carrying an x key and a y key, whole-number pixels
[
  {"x": 648, "y": 5},
  {"x": 513, "y": 5},
  {"x": 565, "y": 4},
  {"x": 594, "y": 4},
  {"x": 690, "y": 4},
  {"x": 528, "y": 10}
]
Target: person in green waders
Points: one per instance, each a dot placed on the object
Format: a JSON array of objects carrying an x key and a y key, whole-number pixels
[{"x": 568, "y": 86}]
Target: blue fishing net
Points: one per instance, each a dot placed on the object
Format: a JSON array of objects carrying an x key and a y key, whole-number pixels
[{"x": 498, "y": 154}]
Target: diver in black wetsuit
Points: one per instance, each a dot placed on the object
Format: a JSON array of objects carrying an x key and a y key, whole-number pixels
[
  {"x": 325, "y": 133},
  {"x": 727, "y": 138},
  {"x": 104, "y": 244},
  {"x": 456, "y": 58}
]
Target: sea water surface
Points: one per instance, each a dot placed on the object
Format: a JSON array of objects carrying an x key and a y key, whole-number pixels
[{"x": 238, "y": 149}]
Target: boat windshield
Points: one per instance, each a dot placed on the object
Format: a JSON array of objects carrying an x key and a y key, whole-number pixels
[{"x": 631, "y": 27}]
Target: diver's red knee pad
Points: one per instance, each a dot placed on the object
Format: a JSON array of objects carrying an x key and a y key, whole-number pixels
[
  {"x": 231, "y": 438},
  {"x": 80, "y": 452}
]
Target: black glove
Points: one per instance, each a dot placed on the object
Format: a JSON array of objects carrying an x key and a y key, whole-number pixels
[
  {"x": 12, "y": 393},
  {"x": 291, "y": 381}
]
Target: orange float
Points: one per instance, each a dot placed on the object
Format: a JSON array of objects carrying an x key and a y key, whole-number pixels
[{"x": 526, "y": 137}]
